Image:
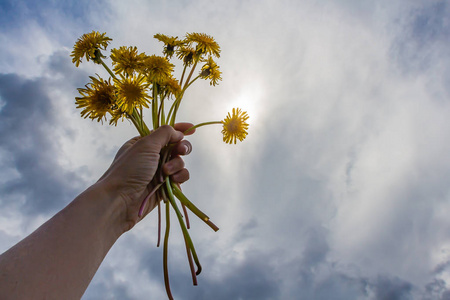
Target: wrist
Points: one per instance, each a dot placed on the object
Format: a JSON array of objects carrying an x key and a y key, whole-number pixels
[{"x": 108, "y": 207}]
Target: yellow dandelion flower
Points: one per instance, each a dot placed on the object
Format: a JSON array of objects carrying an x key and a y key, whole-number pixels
[
  {"x": 127, "y": 60},
  {"x": 170, "y": 43},
  {"x": 116, "y": 115},
  {"x": 235, "y": 126},
  {"x": 187, "y": 54},
  {"x": 171, "y": 86},
  {"x": 158, "y": 68},
  {"x": 211, "y": 71},
  {"x": 89, "y": 45},
  {"x": 205, "y": 43},
  {"x": 132, "y": 93},
  {"x": 97, "y": 99}
]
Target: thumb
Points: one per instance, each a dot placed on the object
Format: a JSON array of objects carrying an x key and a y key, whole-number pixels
[{"x": 162, "y": 136}]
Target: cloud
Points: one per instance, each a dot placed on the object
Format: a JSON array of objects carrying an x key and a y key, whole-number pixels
[
  {"x": 251, "y": 279},
  {"x": 394, "y": 289},
  {"x": 26, "y": 123},
  {"x": 44, "y": 28},
  {"x": 341, "y": 188},
  {"x": 248, "y": 278}
]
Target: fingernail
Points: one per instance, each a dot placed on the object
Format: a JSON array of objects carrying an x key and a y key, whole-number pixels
[{"x": 187, "y": 149}]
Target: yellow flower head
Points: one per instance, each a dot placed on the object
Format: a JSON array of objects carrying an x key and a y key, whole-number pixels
[
  {"x": 187, "y": 54},
  {"x": 126, "y": 60},
  {"x": 169, "y": 42},
  {"x": 97, "y": 99},
  {"x": 211, "y": 71},
  {"x": 132, "y": 93},
  {"x": 235, "y": 126},
  {"x": 158, "y": 68},
  {"x": 205, "y": 43},
  {"x": 171, "y": 86},
  {"x": 89, "y": 45},
  {"x": 116, "y": 115}
]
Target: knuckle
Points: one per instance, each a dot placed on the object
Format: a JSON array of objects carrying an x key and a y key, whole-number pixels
[{"x": 166, "y": 128}]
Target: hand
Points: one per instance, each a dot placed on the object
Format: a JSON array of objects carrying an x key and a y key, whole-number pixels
[
  {"x": 59, "y": 259},
  {"x": 130, "y": 174}
]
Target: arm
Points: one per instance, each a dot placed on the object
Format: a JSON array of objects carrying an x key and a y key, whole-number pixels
[{"x": 60, "y": 258}]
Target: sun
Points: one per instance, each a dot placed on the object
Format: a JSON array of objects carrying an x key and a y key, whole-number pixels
[{"x": 249, "y": 99}]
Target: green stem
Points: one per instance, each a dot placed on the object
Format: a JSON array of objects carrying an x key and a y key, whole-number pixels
[
  {"x": 190, "y": 74},
  {"x": 108, "y": 69},
  {"x": 161, "y": 115},
  {"x": 178, "y": 101},
  {"x": 155, "y": 106},
  {"x": 136, "y": 124},
  {"x": 182, "y": 75},
  {"x": 188, "y": 85},
  {"x": 136, "y": 119},
  {"x": 141, "y": 116},
  {"x": 202, "y": 124},
  {"x": 172, "y": 108},
  {"x": 182, "y": 225},
  {"x": 183, "y": 199},
  {"x": 165, "y": 252},
  {"x": 191, "y": 263},
  {"x": 159, "y": 220}
]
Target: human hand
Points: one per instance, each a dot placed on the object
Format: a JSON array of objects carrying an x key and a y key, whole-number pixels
[{"x": 130, "y": 175}]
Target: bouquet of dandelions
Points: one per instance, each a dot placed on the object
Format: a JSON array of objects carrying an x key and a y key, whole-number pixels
[{"x": 140, "y": 81}]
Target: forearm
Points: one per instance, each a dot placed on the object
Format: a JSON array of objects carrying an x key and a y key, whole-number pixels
[{"x": 59, "y": 259}]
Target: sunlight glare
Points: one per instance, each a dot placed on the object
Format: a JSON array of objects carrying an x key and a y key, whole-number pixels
[{"x": 248, "y": 100}]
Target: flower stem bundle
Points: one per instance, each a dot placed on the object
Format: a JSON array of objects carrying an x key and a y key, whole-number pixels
[{"x": 138, "y": 81}]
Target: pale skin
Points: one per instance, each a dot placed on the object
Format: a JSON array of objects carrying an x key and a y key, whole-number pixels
[{"x": 60, "y": 258}]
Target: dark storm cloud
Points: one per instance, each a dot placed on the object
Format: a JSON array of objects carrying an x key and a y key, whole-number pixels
[
  {"x": 431, "y": 23},
  {"x": 12, "y": 12},
  {"x": 312, "y": 282},
  {"x": 339, "y": 285},
  {"x": 252, "y": 278},
  {"x": 437, "y": 289},
  {"x": 314, "y": 254},
  {"x": 258, "y": 276},
  {"x": 29, "y": 149},
  {"x": 392, "y": 289},
  {"x": 422, "y": 41},
  {"x": 442, "y": 267}
]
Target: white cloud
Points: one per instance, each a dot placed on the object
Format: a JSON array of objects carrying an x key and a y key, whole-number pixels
[{"x": 341, "y": 186}]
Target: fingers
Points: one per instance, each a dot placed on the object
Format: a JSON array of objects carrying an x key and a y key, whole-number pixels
[
  {"x": 182, "y": 148},
  {"x": 162, "y": 136},
  {"x": 157, "y": 140},
  {"x": 183, "y": 126},
  {"x": 181, "y": 176},
  {"x": 175, "y": 168}
]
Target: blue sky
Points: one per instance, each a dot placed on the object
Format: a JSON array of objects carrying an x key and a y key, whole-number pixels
[{"x": 340, "y": 191}]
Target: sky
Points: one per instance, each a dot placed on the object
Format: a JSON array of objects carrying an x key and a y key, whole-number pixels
[{"x": 341, "y": 189}]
